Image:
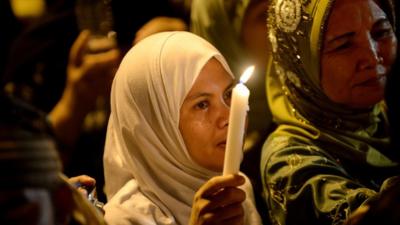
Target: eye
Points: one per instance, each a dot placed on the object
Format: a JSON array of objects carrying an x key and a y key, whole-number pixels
[
  {"x": 227, "y": 96},
  {"x": 202, "y": 105},
  {"x": 382, "y": 29},
  {"x": 343, "y": 46},
  {"x": 382, "y": 33},
  {"x": 338, "y": 46}
]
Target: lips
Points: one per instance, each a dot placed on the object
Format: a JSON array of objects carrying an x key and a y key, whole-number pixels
[
  {"x": 375, "y": 77},
  {"x": 222, "y": 144},
  {"x": 372, "y": 82}
]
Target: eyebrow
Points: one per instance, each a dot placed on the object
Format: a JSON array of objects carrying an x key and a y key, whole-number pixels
[
  {"x": 345, "y": 35},
  {"x": 205, "y": 94},
  {"x": 349, "y": 34}
]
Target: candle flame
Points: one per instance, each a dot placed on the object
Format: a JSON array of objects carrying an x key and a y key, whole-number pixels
[{"x": 247, "y": 74}]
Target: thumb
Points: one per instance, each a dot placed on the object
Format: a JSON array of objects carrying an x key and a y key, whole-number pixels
[{"x": 78, "y": 48}]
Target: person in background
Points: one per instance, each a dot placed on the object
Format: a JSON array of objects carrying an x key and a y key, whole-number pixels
[
  {"x": 237, "y": 29},
  {"x": 49, "y": 69},
  {"x": 47, "y": 66},
  {"x": 330, "y": 154},
  {"x": 166, "y": 137},
  {"x": 33, "y": 189}
]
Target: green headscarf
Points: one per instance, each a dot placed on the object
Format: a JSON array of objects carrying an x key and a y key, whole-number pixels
[
  {"x": 297, "y": 102},
  {"x": 220, "y": 22}
]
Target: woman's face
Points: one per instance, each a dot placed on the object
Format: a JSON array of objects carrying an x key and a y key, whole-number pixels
[
  {"x": 204, "y": 116},
  {"x": 359, "y": 49}
]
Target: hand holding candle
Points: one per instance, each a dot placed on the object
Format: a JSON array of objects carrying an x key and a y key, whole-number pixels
[{"x": 237, "y": 120}]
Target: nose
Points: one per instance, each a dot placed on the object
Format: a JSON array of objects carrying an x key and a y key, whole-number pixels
[
  {"x": 369, "y": 56},
  {"x": 223, "y": 115}
]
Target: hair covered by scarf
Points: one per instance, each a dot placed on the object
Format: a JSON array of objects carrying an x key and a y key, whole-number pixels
[{"x": 150, "y": 176}]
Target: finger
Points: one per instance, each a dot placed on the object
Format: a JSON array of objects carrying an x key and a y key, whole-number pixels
[
  {"x": 224, "y": 213},
  {"x": 99, "y": 67},
  {"x": 78, "y": 48},
  {"x": 239, "y": 220},
  {"x": 219, "y": 182},
  {"x": 102, "y": 61},
  {"x": 228, "y": 196},
  {"x": 231, "y": 212},
  {"x": 83, "y": 191},
  {"x": 94, "y": 193},
  {"x": 84, "y": 180}
]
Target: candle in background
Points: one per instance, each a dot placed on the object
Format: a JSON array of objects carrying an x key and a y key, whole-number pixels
[
  {"x": 237, "y": 120},
  {"x": 24, "y": 9}
]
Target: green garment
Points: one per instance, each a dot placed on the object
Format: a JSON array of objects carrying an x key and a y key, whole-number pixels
[
  {"x": 324, "y": 159},
  {"x": 220, "y": 22}
]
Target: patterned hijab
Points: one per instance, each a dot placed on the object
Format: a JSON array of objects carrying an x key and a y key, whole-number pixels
[
  {"x": 150, "y": 176},
  {"x": 298, "y": 104}
]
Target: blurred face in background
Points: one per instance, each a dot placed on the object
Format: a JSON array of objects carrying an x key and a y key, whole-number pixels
[
  {"x": 359, "y": 49},
  {"x": 254, "y": 33}
]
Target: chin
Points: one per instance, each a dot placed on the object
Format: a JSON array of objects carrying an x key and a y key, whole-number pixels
[
  {"x": 366, "y": 104},
  {"x": 368, "y": 100}
]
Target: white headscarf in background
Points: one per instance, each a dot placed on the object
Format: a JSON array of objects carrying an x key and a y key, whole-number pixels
[{"x": 150, "y": 176}]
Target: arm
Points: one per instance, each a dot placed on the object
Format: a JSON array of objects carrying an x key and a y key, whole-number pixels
[
  {"x": 305, "y": 185},
  {"x": 88, "y": 76}
]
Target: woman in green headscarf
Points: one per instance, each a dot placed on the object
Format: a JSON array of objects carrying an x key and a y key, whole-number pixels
[{"x": 329, "y": 154}]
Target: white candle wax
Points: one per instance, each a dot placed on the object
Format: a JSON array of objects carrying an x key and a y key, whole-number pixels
[{"x": 237, "y": 120}]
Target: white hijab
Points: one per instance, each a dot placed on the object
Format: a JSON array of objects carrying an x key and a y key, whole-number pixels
[{"x": 150, "y": 177}]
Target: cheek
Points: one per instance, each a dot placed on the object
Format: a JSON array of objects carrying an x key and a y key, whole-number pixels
[
  {"x": 194, "y": 131},
  {"x": 336, "y": 76},
  {"x": 197, "y": 128}
]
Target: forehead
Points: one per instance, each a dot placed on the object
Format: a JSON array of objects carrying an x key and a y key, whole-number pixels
[
  {"x": 212, "y": 71},
  {"x": 356, "y": 8},
  {"x": 352, "y": 14}
]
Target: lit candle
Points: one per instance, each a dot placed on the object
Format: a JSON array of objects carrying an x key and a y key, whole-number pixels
[{"x": 237, "y": 120}]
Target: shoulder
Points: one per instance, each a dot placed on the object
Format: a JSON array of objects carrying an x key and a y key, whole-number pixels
[
  {"x": 129, "y": 206},
  {"x": 282, "y": 150},
  {"x": 278, "y": 143}
]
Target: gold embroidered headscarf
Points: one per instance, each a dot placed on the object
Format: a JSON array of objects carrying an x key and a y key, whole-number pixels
[{"x": 295, "y": 96}]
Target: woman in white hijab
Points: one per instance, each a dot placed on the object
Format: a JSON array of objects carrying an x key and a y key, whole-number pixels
[{"x": 166, "y": 137}]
